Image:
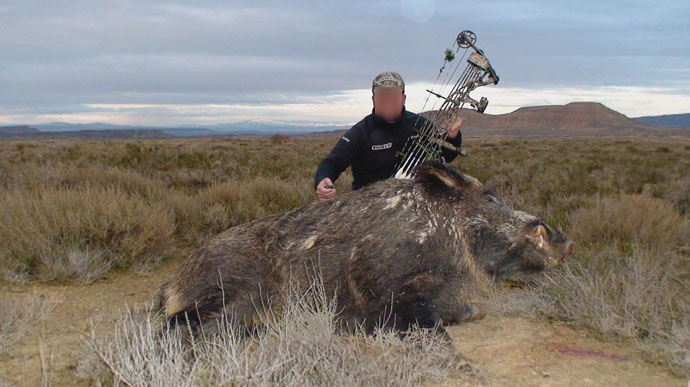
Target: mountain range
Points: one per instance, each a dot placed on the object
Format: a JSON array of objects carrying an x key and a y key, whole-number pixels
[{"x": 572, "y": 119}]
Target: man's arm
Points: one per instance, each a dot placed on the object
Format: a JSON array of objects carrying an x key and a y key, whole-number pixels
[
  {"x": 448, "y": 154},
  {"x": 341, "y": 156}
]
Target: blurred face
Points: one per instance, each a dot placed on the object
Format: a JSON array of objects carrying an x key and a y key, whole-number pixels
[{"x": 388, "y": 102}]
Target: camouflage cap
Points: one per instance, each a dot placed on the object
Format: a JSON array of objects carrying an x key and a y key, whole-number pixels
[{"x": 388, "y": 79}]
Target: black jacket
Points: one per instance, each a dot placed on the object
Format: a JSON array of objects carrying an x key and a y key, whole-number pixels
[{"x": 370, "y": 147}]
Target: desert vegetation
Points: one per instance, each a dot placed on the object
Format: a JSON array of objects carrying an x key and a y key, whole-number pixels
[
  {"x": 299, "y": 346},
  {"x": 74, "y": 211}
]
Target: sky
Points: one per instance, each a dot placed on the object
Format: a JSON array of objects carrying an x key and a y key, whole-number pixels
[{"x": 209, "y": 62}]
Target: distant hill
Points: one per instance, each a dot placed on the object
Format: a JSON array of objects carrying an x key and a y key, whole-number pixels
[
  {"x": 70, "y": 127},
  {"x": 17, "y": 129},
  {"x": 191, "y": 132},
  {"x": 89, "y": 134},
  {"x": 249, "y": 127},
  {"x": 667, "y": 120},
  {"x": 256, "y": 128},
  {"x": 268, "y": 127},
  {"x": 573, "y": 119}
]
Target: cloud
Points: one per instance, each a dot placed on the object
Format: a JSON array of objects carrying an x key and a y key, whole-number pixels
[
  {"x": 60, "y": 58},
  {"x": 349, "y": 106}
]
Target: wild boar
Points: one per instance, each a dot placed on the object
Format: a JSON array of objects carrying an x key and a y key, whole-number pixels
[{"x": 397, "y": 252}]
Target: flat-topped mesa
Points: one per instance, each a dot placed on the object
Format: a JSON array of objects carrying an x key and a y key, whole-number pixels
[{"x": 572, "y": 119}]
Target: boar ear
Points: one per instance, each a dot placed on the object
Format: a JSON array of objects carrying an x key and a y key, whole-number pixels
[{"x": 436, "y": 175}]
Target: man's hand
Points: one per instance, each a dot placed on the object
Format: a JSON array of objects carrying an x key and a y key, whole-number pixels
[
  {"x": 323, "y": 192},
  {"x": 453, "y": 125}
]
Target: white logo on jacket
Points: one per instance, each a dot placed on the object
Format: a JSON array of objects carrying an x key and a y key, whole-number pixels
[{"x": 382, "y": 146}]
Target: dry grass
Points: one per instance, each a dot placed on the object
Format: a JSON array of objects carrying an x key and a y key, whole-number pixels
[
  {"x": 625, "y": 201},
  {"x": 279, "y": 138},
  {"x": 648, "y": 222},
  {"x": 78, "y": 234},
  {"x": 77, "y": 209},
  {"x": 630, "y": 277},
  {"x": 20, "y": 315},
  {"x": 223, "y": 205},
  {"x": 301, "y": 346}
]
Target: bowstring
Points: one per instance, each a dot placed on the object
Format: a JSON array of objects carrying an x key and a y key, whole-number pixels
[
  {"x": 429, "y": 133},
  {"x": 411, "y": 150}
]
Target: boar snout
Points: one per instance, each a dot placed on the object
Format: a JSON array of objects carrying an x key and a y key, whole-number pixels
[{"x": 566, "y": 252}]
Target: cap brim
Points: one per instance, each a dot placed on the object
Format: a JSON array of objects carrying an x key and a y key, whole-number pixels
[{"x": 389, "y": 87}]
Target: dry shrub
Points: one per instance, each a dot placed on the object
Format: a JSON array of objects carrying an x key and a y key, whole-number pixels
[
  {"x": 78, "y": 234},
  {"x": 127, "y": 181},
  {"x": 640, "y": 297},
  {"x": 247, "y": 200},
  {"x": 644, "y": 297},
  {"x": 20, "y": 315},
  {"x": 629, "y": 277},
  {"x": 224, "y": 205},
  {"x": 37, "y": 177},
  {"x": 647, "y": 221},
  {"x": 302, "y": 346},
  {"x": 279, "y": 138},
  {"x": 637, "y": 293},
  {"x": 679, "y": 194}
]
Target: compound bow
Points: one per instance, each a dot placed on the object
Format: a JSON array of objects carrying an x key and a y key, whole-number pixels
[{"x": 431, "y": 137}]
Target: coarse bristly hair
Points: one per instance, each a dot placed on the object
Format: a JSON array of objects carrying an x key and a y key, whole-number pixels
[{"x": 413, "y": 249}]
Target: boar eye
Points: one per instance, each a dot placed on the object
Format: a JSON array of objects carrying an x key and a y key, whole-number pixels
[{"x": 491, "y": 198}]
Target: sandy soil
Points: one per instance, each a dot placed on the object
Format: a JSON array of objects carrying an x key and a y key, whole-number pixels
[
  {"x": 518, "y": 351},
  {"x": 507, "y": 350}
]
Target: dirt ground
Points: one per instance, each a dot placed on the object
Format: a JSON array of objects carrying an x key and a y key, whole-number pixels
[
  {"x": 518, "y": 351},
  {"x": 508, "y": 350}
]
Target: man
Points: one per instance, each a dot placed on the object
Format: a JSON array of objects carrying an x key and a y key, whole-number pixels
[{"x": 371, "y": 146}]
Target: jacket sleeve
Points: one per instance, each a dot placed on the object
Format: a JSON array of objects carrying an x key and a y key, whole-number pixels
[
  {"x": 343, "y": 154},
  {"x": 448, "y": 154}
]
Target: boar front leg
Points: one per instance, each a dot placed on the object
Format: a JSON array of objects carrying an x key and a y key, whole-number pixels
[{"x": 454, "y": 306}]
